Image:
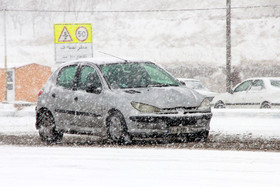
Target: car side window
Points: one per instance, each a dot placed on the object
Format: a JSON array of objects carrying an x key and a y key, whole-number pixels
[
  {"x": 257, "y": 85},
  {"x": 243, "y": 86},
  {"x": 88, "y": 77},
  {"x": 275, "y": 83},
  {"x": 66, "y": 76}
]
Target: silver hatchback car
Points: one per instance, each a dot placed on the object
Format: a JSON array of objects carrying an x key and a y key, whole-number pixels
[{"x": 119, "y": 100}]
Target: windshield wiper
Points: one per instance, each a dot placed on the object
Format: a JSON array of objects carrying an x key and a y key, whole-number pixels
[{"x": 161, "y": 85}]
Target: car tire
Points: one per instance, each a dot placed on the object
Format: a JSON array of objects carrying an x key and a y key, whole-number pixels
[
  {"x": 265, "y": 105},
  {"x": 117, "y": 129},
  {"x": 220, "y": 104},
  {"x": 46, "y": 126},
  {"x": 198, "y": 137}
]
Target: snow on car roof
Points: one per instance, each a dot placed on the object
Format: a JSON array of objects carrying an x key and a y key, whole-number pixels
[
  {"x": 186, "y": 79},
  {"x": 264, "y": 78},
  {"x": 111, "y": 60},
  {"x": 103, "y": 60}
]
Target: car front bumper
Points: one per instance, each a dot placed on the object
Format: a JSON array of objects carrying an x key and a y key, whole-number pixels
[{"x": 164, "y": 125}]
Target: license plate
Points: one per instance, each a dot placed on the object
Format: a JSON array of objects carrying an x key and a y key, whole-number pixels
[{"x": 178, "y": 130}]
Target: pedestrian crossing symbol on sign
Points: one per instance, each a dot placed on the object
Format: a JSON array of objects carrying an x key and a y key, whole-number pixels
[
  {"x": 72, "y": 33},
  {"x": 65, "y": 36}
]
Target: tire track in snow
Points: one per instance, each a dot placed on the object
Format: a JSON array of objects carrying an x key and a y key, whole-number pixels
[{"x": 214, "y": 142}]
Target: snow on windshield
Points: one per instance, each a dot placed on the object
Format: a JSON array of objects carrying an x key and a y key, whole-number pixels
[{"x": 137, "y": 75}]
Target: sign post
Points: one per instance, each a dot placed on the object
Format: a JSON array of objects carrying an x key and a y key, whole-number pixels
[
  {"x": 5, "y": 53},
  {"x": 72, "y": 41},
  {"x": 228, "y": 47}
]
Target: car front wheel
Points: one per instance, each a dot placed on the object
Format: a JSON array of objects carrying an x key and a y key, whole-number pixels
[
  {"x": 200, "y": 136},
  {"x": 117, "y": 129},
  {"x": 220, "y": 104},
  {"x": 46, "y": 126}
]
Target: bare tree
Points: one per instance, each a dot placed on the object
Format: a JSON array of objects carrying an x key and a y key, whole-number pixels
[{"x": 36, "y": 5}]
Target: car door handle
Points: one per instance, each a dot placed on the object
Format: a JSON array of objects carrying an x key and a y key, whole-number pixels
[
  {"x": 53, "y": 95},
  {"x": 76, "y": 98}
]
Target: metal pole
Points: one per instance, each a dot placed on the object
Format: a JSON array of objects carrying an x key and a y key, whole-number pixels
[
  {"x": 228, "y": 47},
  {"x": 5, "y": 53}
]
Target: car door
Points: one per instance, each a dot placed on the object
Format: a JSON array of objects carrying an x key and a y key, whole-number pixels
[
  {"x": 89, "y": 106},
  {"x": 237, "y": 98},
  {"x": 63, "y": 98},
  {"x": 255, "y": 94}
]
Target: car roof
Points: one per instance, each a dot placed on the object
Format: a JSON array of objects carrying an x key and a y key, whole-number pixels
[
  {"x": 190, "y": 80},
  {"x": 107, "y": 60},
  {"x": 264, "y": 78}
]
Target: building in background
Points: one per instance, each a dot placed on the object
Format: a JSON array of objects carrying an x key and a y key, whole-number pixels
[
  {"x": 23, "y": 83},
  {"x": 2, "y": 84}
]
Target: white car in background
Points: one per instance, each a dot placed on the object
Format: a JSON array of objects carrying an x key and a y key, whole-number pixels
[
  {"x": 199, "y": 87},
  {"x": 263, "y": 92}
]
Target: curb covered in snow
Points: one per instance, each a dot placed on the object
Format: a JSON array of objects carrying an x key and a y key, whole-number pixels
[
  {"x": 17, "y": 110},
  {"x": 251, "y": 113}
]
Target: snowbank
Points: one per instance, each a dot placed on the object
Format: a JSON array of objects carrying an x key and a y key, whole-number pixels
[{"x": 244, "y": 122}]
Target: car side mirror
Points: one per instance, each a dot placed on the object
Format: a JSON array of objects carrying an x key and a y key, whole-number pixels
[
  {"x": 230, "y": 91},
  {"x": 93, "y": 89},
  {"x": 183, "y": 83}
]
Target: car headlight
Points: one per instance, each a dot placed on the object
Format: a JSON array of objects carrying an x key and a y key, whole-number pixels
[
  {"x": 145, "y": 108},
  {"x": 205, "y": 105}
]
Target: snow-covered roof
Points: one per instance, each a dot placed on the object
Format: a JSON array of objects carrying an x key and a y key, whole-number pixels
[
  {"x": 263, "y": 78},
  {"x": 21, "y": 65},
  {"x": 111, "y": 60},
  {"x": 108, "y": 60},
  {"x": 100, "y": 61},
  {"x": 186, "y": 79}
]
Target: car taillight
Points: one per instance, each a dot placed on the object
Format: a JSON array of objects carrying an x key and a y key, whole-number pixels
[{"x": 40, "y": 92}]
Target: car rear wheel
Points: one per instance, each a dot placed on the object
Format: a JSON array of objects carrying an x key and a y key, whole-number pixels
[
  {"x": 117, "y": 129},
  {"x": 46, "y": 126},
  {"x": 220, "y": 104}
]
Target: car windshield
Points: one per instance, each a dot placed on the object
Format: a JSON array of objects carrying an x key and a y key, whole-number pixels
[
  {"x": 275, "y": 83},
  {"x": 137, "y": 75}
]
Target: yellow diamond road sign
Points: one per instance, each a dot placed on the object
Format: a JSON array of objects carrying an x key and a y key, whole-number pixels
[
  {"x": 72, "y": 41},
  {"x": 72, "y": 33}
]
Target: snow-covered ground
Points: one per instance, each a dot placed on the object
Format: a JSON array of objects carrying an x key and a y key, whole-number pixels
[
  {"x": 60, "y": 166},
  {"x": 126, "y": 166},
  {"x": 15, "y": 122},
  {"x": 253, "y": 122}
]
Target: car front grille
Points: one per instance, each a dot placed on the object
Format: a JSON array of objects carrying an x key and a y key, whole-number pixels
[
  {"x": 173, "y": 120},
  {"x": 182, "y": 110},
  {"x": 181, "y": 121}
]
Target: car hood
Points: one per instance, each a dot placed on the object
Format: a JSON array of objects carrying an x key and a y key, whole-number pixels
[
  {"x": 207, "y": 93},
  {"x": 164, "y": 97}
]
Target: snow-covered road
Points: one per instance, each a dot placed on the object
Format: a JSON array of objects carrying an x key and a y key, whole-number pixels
[
  {"x": 254, "y": 122},
  {"x": 238, "y": 129},
  {"x": 144, "y": 165},
  {"x": 60, "y": 166}
]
